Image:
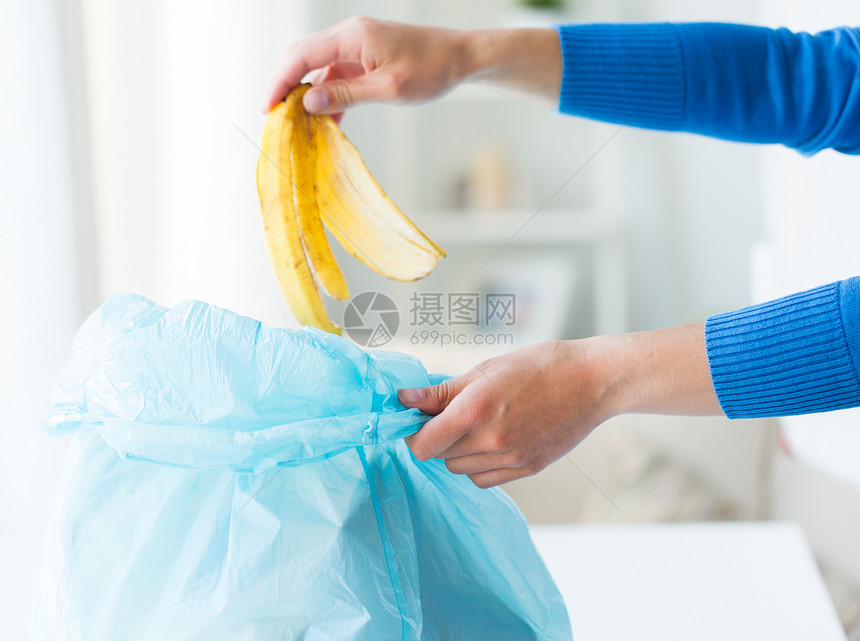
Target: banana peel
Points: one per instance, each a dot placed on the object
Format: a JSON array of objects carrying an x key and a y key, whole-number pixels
[
  {"x": 310, "y": 174},
  {"x": 280, "y": 200},
  {"x": 362, "y": 217},
  {"x": 303, "y": 161}
]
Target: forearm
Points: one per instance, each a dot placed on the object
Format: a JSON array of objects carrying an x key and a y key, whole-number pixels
[
  {"x": 799, "y": 354},
  {"x": 528, "y": 60},
  {"x": 657, "y": 372}
]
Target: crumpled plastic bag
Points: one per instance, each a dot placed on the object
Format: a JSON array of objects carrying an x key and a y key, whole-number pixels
[{"x": 227, "y": 480}]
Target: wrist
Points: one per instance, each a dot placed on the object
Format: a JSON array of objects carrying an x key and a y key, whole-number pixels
[
  {"x": 528, "y": 60},
  {"x": 610, "y": 365},
  {"x": 590, "y": 369},
  {"x": 486, "y": 54}
]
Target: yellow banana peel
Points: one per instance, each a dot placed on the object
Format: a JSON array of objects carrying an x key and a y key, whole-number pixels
[
  {"x": 303, "y": 161},
  {"x": 308, "y": 174},
  {"x": 362, "y": 217},
  {"x": 279, "y": 201}
]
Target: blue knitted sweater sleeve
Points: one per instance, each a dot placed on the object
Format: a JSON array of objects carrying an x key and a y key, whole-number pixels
[
  {"x": 801, "y": 353},
  {"x": 734, "y": 82},
  {"x": 794, "y": 355}
]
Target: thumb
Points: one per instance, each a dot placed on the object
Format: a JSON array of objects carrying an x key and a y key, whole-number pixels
[
  {"x": 433, "y": 399},
  {"x": 334, "y": 96}
]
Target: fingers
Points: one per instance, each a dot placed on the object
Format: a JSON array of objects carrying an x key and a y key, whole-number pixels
[
  {"x": 437, "y": 435},
  {"x": 476, "y": 463},
  {"x": 492, "y": 478},
  {"x": 335, "y": 96},
  {"x": 433, "y": 399},
  {"x": 448, "y": 427},
  {"x": 299, "y": 60},
  {"x": 456, "y": 411},
  {"x": 314, "y": 52},
  {"x": 335, "y": 71}
]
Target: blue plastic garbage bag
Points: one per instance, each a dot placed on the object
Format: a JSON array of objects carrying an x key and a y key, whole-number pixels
[{"x": 227, "y": 480}]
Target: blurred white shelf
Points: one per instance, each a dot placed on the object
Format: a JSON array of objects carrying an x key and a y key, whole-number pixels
[
  {"x": 522, "y": 227},
  {"x": 596, "y": 229},
  {"x": 673, "y": 582}
]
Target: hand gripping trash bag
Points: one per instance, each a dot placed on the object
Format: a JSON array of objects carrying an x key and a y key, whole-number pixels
[{"x": 227, "y": 480}]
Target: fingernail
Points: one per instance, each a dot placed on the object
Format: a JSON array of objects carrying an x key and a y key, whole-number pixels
[
  {"x": 410, "y": 395},
  {"x": 316, "y": 100}
]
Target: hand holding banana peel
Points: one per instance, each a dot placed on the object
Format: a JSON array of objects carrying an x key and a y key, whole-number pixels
[
  {"x": 365, "y": 60},
  {"x": 310, "y": 175}
]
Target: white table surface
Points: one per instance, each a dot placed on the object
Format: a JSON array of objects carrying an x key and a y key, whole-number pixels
[{"x": 690, "y": 582}]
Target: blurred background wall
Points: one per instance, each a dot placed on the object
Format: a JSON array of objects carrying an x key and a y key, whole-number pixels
[
  {"x": 128, "y": 164},
  {"x": 42, "y": 282}
]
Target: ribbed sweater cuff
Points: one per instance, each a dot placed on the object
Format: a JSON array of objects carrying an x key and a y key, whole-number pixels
[
  {"x": 629, "y": 74},
  {"x": 794, "y": 355}
]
